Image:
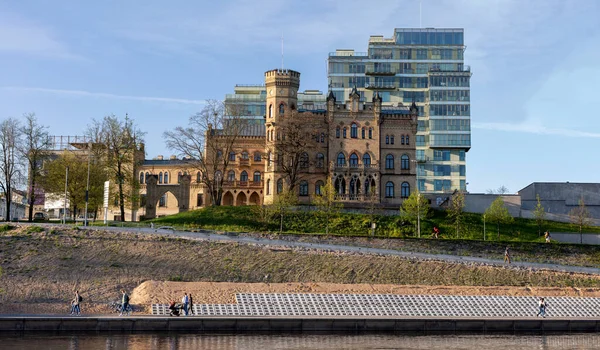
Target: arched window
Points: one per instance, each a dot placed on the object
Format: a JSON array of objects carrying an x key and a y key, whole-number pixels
[
  {"x": 179, "y": 175},
  {"x": 320, "y": 160},
  {"x": 392, "y": 139},
  {"x": 166, "y": 177},
  {"x": 256, "y": 177},
  {"x": 337, "y": 132},
  {"x": 244, "y": 176},
  {"x": 370, "y": 133},
  {"x": 408, "y": 143},
  {"x": 345, "y": 132},
  {"x": 231, "y": 176},
  {"x": 404, "y": 162},
  {"x": 198, "y": 177},
  {"x": 303, "y": 188},
  {"x": 257, "y": 157},
  {"x": 389, "y": 161},
  {"x": 387, "y": 139},
  {"x": 232, "y": 156},
  {"x": 270, "y": 111},
  {"x": 405, "y": 190},
  {"x": 279, "y": 186},
  {"x": 353, "y": 160},
  {"x": 402, "y": 139},
  {"x": 268, "y": 186},
  {"x": 340, "y": 185},
  {"x": 142, "y": 177},
  {"x": 293, "y": 107},
  {"x": 341, "y": 159},
  {"x": 389, "y": 189},
  {"x": 160, "y": 177},
  {"x": 219, "y": 154},
  {"x": 354, "y": 131},
  {"x": 218, "y": 176},
  {"x": 269, "y": 158},
  {"x": 244, "y": 155},
  {"x": 322, "y": 137},
  {"x": 363, "y": 132},
  {"x": 370, "y": 186},
  {"x": 354, "y": 187},
  {"x": 304, "y": 160},
  {"x": 319, "y": 188},
  {"x": 281, "y": 109},
  {"x": 367, "y": 160}
]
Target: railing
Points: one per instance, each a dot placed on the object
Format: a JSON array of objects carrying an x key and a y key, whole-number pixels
[
  {"x": 243, "y": 161},
  {"x": 348, "y": 54},
  {"x": 65, "y": 142},
  {"x": 380, "y": 72},
  {"x": 238, "y": 183},
  {"x": 381, "y": 86},
  {"x": 465, "y": 68},
  {"x": 353, "y": 197},
  {"x": 357, "y": 166}
]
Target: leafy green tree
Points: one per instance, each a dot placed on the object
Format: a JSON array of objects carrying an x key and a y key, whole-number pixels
[
  {"x": 456, "y": 210},
  {"x": 53, "y": 179},
  {"x": 497, "y": 213},
  {"x": 415, "y": 208},
  {"x": 580, "y": 216},
  {"x": 282, "y": 204},
  {"x": 116, "y": 141},
  {"x": 326, "y": 203},
  {"x": 539, "y": 213}
]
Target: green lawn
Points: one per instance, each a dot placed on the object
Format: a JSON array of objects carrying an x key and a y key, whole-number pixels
[{"x": 247, "y": 218}]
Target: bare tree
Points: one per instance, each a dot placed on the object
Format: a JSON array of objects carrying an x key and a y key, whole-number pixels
[
  {"x": 33, "y": 149},
  {"x": 500, "y": 190},
  {"x": 117, "y": 142},
  {"x": 10, "y": 168},
  {"x": 580, "y": 216},
  {"x": 208, "y": 140},
  {"x": 295, "y": 139}
]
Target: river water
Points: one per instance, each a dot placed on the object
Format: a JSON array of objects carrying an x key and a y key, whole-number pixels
[{"x": 297, "y": 342}]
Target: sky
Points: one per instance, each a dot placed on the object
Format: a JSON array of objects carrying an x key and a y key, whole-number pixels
[{"x": 535, "y": 66}]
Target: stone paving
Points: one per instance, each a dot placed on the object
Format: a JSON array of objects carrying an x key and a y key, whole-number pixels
[{"x": 388, "y": 305}]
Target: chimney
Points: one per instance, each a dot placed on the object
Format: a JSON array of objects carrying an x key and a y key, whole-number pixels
[
  {"x": 173, "y": 157},
  {"x": 160, "y": 157}
]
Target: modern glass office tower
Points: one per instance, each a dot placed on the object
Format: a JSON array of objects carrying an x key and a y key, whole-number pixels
[
  {"x": 251, "y": 100},
  {"x": 425, "y": 66}
]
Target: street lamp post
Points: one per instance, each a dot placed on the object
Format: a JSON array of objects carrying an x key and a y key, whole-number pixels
[
  {"x": 65, "y": 204},
  {"x": 87, "y": 187}
]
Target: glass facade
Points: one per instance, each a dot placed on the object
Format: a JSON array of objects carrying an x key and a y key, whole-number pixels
[{"x": 425, "y": 66}]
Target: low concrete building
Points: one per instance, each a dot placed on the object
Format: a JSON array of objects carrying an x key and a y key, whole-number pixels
[{"x": 559, "y": 198}]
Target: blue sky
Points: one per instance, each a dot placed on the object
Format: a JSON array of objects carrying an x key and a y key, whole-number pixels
[{"x": 535, "y": 64}]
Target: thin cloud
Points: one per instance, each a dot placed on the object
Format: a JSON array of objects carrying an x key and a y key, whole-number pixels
[
  {"x": 534, "y": 129},
  {"x": 83, "y": 93},
  {"x": 24, "y": 37}
]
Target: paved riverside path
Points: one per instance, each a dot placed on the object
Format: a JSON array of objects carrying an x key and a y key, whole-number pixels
[{"x": 213, "y": 236}]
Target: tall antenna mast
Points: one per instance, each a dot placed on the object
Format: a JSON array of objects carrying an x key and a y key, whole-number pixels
[{"x": 281, "y": 50}]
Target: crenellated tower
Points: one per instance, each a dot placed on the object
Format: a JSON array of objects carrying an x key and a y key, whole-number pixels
[{"x": 282, "y": 98}]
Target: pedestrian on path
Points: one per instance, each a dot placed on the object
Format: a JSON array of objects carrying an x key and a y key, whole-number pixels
[
  {"x": 186, "y": 302},
  {"x": 547, "y": 236},
  {"x": 75, "y": 308},
  {"x": 124, "y": 303},
  {"x": 191, "y": 305},
  {"x": 542, "y": 305},
  {"x": 507, "y": 255}
]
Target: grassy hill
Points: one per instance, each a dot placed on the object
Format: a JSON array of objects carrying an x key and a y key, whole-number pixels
[{"x": 248, "y": 219}]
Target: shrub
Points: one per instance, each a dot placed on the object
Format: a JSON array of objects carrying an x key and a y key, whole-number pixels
[
  {"x": 35, "y": 229},
  {"x": 6, "y": 227}
]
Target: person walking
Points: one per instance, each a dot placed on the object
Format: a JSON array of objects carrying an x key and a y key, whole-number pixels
[
  {"x": 547, "y": 236},
  {"x": 507, "y": 255},
  {"x": 185, "y": 301},
  {"x": 191, "y": 305},
  {"x": 75, "y": 308},
  {"x": 542, "y": 305},
  {"x": 124, "y": 303}
]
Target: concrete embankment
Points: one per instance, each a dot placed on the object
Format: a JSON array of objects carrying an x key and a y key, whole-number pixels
[{"x": 277, "y": 325}]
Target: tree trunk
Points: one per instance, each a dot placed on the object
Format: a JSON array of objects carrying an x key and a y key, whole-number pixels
[
  {"x": 31, "y": 195},
  {"x": 498, "y": 230},
  {"x": 121, "y": 194},
  {"x": 281, "y": 221},
  {"x": 8, "y": 197}
]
